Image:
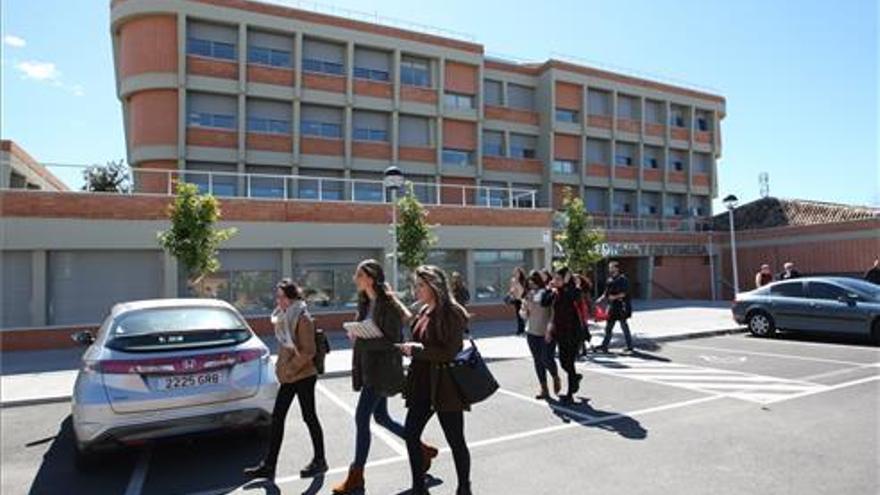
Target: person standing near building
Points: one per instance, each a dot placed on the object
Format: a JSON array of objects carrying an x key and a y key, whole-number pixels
[
  {"x": 873, "y": 274},
  {"x": 566, "y": 327},
  {"x": 788, "y": 271},
  {"x": 297, "y": 374},
  {"x": 515, "y": 292},
  {"x": 585, "y": 305},
  {"x": 763, "y": 277},
  {"x": 537, "y": 311},
  {"x": 377, "y": 367},
  {"x": 437, "y": 333},
  {"x": 619, "y": 306},
  {"x": 459, "y": 290}
]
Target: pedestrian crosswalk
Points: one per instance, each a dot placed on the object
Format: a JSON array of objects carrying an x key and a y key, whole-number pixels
[{"x": 734, "y": 384}]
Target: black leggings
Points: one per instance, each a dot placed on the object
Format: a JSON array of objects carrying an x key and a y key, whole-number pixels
[
  {"x": 452, "y": 423},
  {"x": 568, "y": 352},
  {"x": 305, "y": 388},
  {"x": 609, "y": 328}
]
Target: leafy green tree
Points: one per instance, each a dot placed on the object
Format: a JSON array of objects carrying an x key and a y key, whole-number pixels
[
  {"x": 415, "y": 235},
  {"x": 112, "y": 177},
  {"x": 579, "y": 240},
  {"x": 193, "y": 238}
]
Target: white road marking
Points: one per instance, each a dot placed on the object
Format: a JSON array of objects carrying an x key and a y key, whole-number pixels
[
  {"x": 139, "y": 473},
  {"x": 380, "y": 433},
  {"x": 765, "y": 354},
  {"x": 827, "y": 389},
  {"x": 840, "y": 371},
  {"x": 727, "y": 383},
  {"x": 824, "y": 345}
]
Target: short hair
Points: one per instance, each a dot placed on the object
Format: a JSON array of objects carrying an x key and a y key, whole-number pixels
[
  {"x": 289, "y": 288},
  {"x": 614, "y": 264}
]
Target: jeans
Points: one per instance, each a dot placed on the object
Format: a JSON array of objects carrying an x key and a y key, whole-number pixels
[
  {"x": 543, "y": 355},
  {"x": 371, "y": 403},
  {"x": 305, "y": 388},
  {"x": 609, "y": 327},
  {"x": 452, "y": 423},
  {"x": 568, "y": 352}
]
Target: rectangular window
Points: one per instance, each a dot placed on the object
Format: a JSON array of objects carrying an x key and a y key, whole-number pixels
[
  {"x": 209, "y": 48},
  {"x": 415, "y": 72},
  {"x": 492, "y": 92},
  {"x": 492, "y": 273},
  {"x": 268, "y": 126},
  {"x": 521, "y": 97},
  {"x": 323, "y": 57},
  {"x": 319, "y": 121},
  {"x": 372, "y": 74},
  {"x": 220, "y": 180},
  {"x": 414, "y": 131},
  {"x": 623, "y": 160},
  {"x": 627, "y": 107},
  {"x": 370, "y": 126},
  {"x": 457, "y": 100},
  {"x": 268, "y": 56},
  {"x": 702, "y": 124},
  {"x": 372, "y": 192},
  {"x": 650, "y": 203},
  {"x": 650, "y": 162},
  {"x": 564, "y": 115},
  {"x": 523, "y": 146},
  {"x": 321, "y": 189},
  {"x": 522, "y": 195},
  {"x": 654, "y": 112},
  {"x": 598, "y": 151},
  {"x": 493, "y": 194},
  {"x": 323, "y": 66},
  {"x": 596, "y": 200},
  {"x": 493, "y": 143},
  {"x": 266, "y": 182},
  {"x": 677, "y": 116},
  {"x": 564, "y": 167},
  {"x": 212, "y": 120},
  {"x": 599, "y": 102},
  {"x": 456, "y": 157},
  {"x": 425, "y": 190},
  {"x": 372, "y": 65}
]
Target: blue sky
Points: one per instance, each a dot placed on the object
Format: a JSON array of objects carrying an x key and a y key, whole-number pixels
[{"x": 800, "y": 77}]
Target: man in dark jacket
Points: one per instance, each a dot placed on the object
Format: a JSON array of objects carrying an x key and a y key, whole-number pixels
[
  {"x": 788, "y": 271},
  {"x": 873, "y": 275},
  {"x": 619, "y": 308}
]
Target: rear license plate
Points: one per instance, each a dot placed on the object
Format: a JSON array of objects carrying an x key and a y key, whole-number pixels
[{"x": 175, "y": 382}]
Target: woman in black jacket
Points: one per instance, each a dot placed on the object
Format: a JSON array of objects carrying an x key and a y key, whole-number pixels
[
  {"x": 566, "y": 327},
  {"x": 437, "y": 331},
  {"x": 377, "y": 367}
]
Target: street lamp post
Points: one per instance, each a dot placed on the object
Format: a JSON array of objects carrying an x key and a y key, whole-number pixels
[
  {"x": 394, "y": 181},
  {"x": 730, "y": 202}
]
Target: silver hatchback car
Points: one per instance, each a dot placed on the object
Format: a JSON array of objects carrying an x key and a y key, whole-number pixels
[
  {"x": 169, "y": 367},
  {"x": 817, "y": 304}
]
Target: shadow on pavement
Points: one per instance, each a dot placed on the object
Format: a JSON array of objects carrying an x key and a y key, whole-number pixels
[
  {"x": 623, "y": 425},
  {"x": 430, "y": 482},
  {"x": 58, "y": 474}
]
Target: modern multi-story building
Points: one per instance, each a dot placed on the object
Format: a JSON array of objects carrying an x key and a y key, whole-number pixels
[
  {"x": 18, "y": 170},
  {"x": 291, "y": 117}
]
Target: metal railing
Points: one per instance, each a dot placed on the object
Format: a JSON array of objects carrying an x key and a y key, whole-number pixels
[
  {"x": 652, "y": 224},
  {"x": 309, "y": 188}
]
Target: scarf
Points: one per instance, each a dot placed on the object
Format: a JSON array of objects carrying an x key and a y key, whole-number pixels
[{"x": 284, "y": 322}]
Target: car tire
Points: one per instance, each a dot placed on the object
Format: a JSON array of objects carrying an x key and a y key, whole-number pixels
[{"x": 761, "y": 324}]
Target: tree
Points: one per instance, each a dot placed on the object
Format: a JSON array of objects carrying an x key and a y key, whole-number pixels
[
  {"x": 193, "y": 239},
  {"x": 415, "y": 235},
  {"x": 579, "y": 239},
  {"x": 112, "y": 177}
]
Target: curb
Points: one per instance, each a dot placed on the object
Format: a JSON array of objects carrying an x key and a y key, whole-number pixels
[{"x": 343, "y": 373}]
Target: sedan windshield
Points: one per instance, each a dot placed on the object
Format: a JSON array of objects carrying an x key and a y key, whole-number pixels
[{"x": 164, "y": 329}]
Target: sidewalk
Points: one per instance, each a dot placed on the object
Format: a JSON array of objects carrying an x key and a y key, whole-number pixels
[{"x": 36, "y": 377}]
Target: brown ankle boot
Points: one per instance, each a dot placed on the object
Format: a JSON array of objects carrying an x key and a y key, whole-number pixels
[
  {"x": 353, "y": 482},
  {"x": 557, "y": 385},
  {"x": 428, "y": 455}
]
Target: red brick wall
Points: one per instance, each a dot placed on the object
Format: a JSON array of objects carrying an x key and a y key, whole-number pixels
[
  {"x": 214, "y": 138},
  {"x": 599, "y": 121},
  {"x": 703, "y": 137},
  {"x": 461, "y": 78},
  {"x": 678, "y": 177},
  {"x": 680, "y": 134},
  {"x": 652, "y": 175},
  {"x": 270, "y": 75},
  {"x": 682, "y": 277},
  {"x": 655, "y": 129},
  {"x": 453, "y": 195},
  {"x": 566, "y": 147},
  {"x": 376, "y": 151},
  {"x": 152, "y": 117},
  {"x": 212, "y": 68},
  {"x": 373, "y": 88},
  {"x": 269, "y": 142},
  {"x": 522, "y": 166},
  {"x": 701, "y": 179},
  {"x": 148, "y": 44},
  {"x": 598, "y": 170},
  {"x": 628, "y": 125},
  {"x": 459, "y": 134},
  {"x": 153, "y": 182},
  {"x": 320, "y": 146},
  {"x": 510, "y": 114},
  {"x": 417, "y": 154},
  {"x": 324, "y": 82},
  {"x": 568, "y": 96},
  {"x": 417, "y": 94},
  {"x": 630, "y": 173}
]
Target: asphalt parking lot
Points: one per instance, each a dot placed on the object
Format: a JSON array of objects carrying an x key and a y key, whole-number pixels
[{"x": 726, "y": 415}]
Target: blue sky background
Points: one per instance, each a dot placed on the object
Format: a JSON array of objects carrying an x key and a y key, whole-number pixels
[{"x": 800, "y": 77}]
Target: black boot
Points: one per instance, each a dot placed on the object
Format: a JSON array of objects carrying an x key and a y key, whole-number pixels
[
  {"x": 316, "y": 467},
  {"x": 575, "y": 384},
  {"x": 261, "y": 470},
  {"x": 464, "y": 489}
]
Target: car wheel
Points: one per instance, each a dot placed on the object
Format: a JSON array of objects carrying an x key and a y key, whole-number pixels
[{"x": 761, "y": 324}]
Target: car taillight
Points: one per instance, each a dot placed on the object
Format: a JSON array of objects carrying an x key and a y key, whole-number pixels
[{"x": 191, "y": 364}]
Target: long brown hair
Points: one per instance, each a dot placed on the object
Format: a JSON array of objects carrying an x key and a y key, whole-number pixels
[
  {"x": 446, "y": 309},
  {"x": 385, "y": 297}
]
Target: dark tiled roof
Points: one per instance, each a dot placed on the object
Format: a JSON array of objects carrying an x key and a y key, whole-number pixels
[{"x": 770, "y": 212}]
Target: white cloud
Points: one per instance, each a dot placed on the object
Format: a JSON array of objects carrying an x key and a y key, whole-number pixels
[
  {"x": 41, "y": 71},
  {"x": 13, "y": 41}
]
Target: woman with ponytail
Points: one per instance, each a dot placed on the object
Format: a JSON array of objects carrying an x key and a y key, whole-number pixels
[{"x": 377, "y": 367}]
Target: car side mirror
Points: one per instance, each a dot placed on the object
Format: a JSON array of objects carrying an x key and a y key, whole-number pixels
[{"x": 83, "y": 338}]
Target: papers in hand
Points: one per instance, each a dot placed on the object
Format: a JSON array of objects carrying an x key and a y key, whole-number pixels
[{"x": 363, "y": 329}]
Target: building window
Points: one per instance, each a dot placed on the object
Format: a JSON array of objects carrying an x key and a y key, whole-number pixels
[
  {"x": 623, "y": 160},
  {"x": 677, "y": 165},
  {"x": 321, "y": 129},
  {"x": 456, "y": 157},
  {"x": 702, "y": 124},
  {"x": 371, "y": 74},
  {"x": 367, "y": 134},
  {"x": 328, "y": 285},
  {"x": 415, "y": 72},
  {"x": 520, "y": 152},
  {"x": 208, "y": 48},
  {"x": 563, "y": 115},
  {"x": 520, "y": 97},
  {"x": 493, "y": 149},
  {"x": 268, "y": 126},
  {"x": 372, "y": 192},
  {"x": 269, "y": 56},
  {"x": 323, "y": 66},
  {"x": 492, "y": 92},
  {"x": 458, "y": 100},
  {"x": 321, "y": 189},
  {"x": 425, "y": 192},
  {"x": 650, "y": 162},
  {"x": 493, "y": 195},
  {"x": 492, "y": 272},
  {"x": 564, "y": 167},
  {"x": 212, "y": 120}
]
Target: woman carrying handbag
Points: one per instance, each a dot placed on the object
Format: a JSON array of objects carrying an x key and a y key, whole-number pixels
[{"x": 437, "y": 339}]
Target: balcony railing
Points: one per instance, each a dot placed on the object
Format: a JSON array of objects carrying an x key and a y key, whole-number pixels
[
  {"x": 624, "y": 223},
  {"x": 302, "y": 188}
]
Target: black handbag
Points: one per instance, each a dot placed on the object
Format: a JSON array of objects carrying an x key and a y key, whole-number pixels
[{"x": 471, "y": 375}]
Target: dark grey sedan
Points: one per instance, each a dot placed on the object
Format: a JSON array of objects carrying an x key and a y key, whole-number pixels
[{"x": 819, "y": 304}]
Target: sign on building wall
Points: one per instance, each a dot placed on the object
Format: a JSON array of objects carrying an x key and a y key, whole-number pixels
[{"x": 611, "y": 249}]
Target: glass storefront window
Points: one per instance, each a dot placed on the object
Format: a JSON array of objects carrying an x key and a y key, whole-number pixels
[{"x": 493, "y": 270}]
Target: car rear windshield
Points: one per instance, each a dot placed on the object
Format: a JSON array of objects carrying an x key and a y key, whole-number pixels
[
  {"x": 864, "y": 288},
  {"x": 164, "y": 329}
]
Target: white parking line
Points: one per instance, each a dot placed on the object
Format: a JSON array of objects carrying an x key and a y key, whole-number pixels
[
  {"x": 139, "y": 473},
  {"x": 826, "y": 389},
  {"x": 840, "y": 371},
  {"x": 765, "y": 354},
  {"x": 796, "y": 342},
  {"x": 380, "y": 433}
]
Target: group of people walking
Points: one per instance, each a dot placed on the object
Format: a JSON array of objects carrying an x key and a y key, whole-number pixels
[
  {"x": 437, "y": 331},
  {"x": 554, "y": 309}
]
